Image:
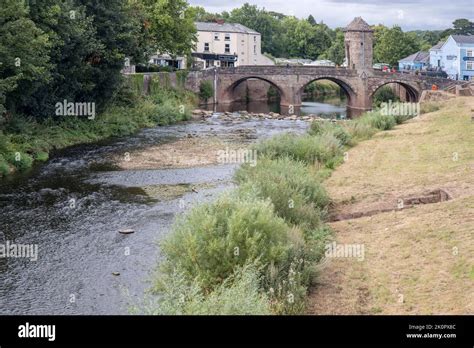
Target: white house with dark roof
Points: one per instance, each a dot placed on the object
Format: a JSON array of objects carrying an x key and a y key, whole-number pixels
[
  {"x": 455, "y": 57},
  {"x": 223, "y": 44}
]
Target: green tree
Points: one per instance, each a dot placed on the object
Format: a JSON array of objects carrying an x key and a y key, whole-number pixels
[
  {"x": 206, "y": 90},
  {"x": 24, "y": 49},
  {"x": 311, "y": 20},
  {"x": 304, "y": 40},
  {"x": 393, "y": 44},
  {"x": 461, "y": 26},
  {"x": 336, "y": 52},
  {"x": 267, "y": 24},
  {"x": 201, "y": 15},
  {"x": 116, "y": 30},
  {"x": 171, "y": 24},
  {"x": 73, "y": 39}
]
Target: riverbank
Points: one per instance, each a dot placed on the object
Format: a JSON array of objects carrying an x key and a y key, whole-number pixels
[
  {"x": 254, "y": 250},
  {"x": 418, "y": 260},
  {"x": 24, "y": 140}
]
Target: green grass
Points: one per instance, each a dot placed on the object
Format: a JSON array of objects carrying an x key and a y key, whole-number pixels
[{"x": 324, "y": 149}]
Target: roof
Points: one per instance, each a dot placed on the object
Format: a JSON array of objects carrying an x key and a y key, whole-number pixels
[
  {"x": 437, "y": 46},
  {"x": 420, "y": 56},
  {"x": 358, "y": 24},
  {"x": 225, "y": 27},
  {"x": 463, "y": 39}
]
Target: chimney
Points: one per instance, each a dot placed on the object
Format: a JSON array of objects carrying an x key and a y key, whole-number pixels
[{"x": 220, "y": 21}]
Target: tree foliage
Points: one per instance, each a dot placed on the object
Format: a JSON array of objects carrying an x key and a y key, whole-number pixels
[{"x": 52, "y": 50}]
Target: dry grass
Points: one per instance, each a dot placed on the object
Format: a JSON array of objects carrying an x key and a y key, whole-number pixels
[{"x": 418, "y": 260}]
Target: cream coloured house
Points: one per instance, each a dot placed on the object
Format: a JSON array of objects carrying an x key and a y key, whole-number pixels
[{"x": 223, "y": 45}]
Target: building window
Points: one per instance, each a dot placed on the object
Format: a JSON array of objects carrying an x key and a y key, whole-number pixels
[
  {"x": 216, "y": 36},
  {"x": 470, "y": 65},
  {"x": 227, "y": 48},
  {"x": 470, "y": 53},
  {"x": 206, "y": 47},
  {"x": 254, "y": 39},
  {"x": 227, "y": 37},
  {"x": 254, "y": 49}
]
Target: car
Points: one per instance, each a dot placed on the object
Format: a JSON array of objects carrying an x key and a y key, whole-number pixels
[{"x": 381, "y": 66}]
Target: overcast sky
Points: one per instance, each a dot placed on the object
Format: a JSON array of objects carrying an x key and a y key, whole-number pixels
[{"x": 409, "y": 14}]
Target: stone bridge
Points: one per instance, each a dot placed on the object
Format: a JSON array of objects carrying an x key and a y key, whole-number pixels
[
  {"x": 358, "y": 85},
  {"x": 359, "y": 81}
]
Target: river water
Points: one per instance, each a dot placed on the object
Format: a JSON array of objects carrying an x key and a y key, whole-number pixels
[
  {"x": 73, "y": 206},
  {"x": 323, "y": 106}
]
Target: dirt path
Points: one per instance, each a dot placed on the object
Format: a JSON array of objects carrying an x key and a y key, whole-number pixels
[{"x": 418, "y": 260}]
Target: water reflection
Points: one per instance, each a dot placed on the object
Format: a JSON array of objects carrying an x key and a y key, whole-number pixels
[{"x": 326, "y": 107}]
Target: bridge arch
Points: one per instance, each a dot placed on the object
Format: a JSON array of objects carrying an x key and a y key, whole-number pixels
[
  {"x": 344, "y": 85},
  {"x": 412, "y": 90},
  {"x": 230, "y": 90}
]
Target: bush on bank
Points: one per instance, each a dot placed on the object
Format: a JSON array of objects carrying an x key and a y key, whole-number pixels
[
  {"x": 324, "y": 149},
  {"x": 292, "y": 187},
  {"x": 24, "y": 140}
]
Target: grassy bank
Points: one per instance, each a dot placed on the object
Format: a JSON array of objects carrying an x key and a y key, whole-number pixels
[
  {"x": 418, "y": 260},
  {"x": 254, "y": 250},
  {"x": 25, "y": 140}
]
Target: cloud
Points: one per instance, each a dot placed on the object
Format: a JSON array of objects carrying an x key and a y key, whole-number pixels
[{"x": 409, "y": 14}]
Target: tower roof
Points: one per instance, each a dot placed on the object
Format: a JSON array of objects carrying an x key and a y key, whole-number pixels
[{"x": 358, "y": 24}]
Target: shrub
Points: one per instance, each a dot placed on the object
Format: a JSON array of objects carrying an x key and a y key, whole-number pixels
[
  {"x": 4, "y": 167},
  {"x": 20, "y": 160},
  {"x": 360, "y": 131},
  {"x": 239, "y": 294},
  {"x": 169, "y": 112},
  {"x": 206, "y": 90},
  {"x": 384, "y": 95},
  {"x": 213, "y": 239},
  {"x": 41, "y": 156},
  {"x": 324, "y": 127},
  {"x": 325, "y": 149},
  {"x": 292, "y": 187},
  {"x": 378, "y": 120}
]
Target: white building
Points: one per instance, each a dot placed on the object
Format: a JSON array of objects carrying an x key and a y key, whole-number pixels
[
  {"x": 223, "y": 44},
  {"x": 455, "y": 57},
  {"x": 163, "y": 60}
]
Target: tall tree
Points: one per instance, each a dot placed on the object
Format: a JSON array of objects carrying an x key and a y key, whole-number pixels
[
  {"x": 73, "y": 39},
  {"x": 24, "y": 59},
  {"x": 461, "y": 26},
  {"x": 311, "y": 20},
  {"x": 336, "y": 52},
  {"x": 171, "y": 24},
  {"x": 116, "y": 29},
  {"x": 393, "y": 44}
]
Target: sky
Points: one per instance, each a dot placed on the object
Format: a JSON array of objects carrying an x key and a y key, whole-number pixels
[{"x": 409, "y": 14}]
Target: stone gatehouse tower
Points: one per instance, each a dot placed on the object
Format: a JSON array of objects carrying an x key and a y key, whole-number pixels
[{"x": 358, "y": 44}]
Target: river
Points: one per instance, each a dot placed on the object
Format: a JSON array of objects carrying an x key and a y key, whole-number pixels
[
  {"x": 73, "y": 206},
  {"x": 323, "y": 106}
]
